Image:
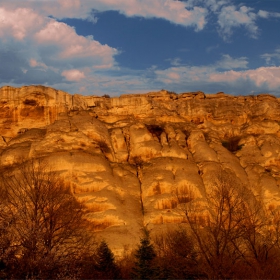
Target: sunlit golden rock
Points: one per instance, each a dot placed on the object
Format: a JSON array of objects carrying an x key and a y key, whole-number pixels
[{"x": 134, "y": 159}]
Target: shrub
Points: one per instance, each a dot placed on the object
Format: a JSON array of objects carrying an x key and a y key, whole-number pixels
[{"x": 106, "y": 96}]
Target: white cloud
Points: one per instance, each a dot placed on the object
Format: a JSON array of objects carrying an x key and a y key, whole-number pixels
[
  {"x": 232, "y": 81},
  {"x": 227, "y": 62},
  {"x": 19, "y": 23},
  {"x": 42, "y": 44},
  {"x": 213, "y": 5},
  {"x": 99, "y": 84},
  {"x": 262, "y": 77},
  {"x": 51, "y": 51},
  {"x": 171, "y": 10},
  {"x": 191, "y": 13},
  {"x": 56, "y": 8},
  {"x": 230, "y": 18},
  {"x": 211, "y": 48},
  {"x": 69, "y": 46},
  {"x": 179, "y": 79},
  {"x": 183, "y": 74},
  {"x": 265, "y": 14},
  {"x": 271, "y": 58},
  {"x": 174, "y": 61},
  {"x": 34, "y": 63},
  {"x": 171, "y": 76},
  {"x": 73, "y": 75}
]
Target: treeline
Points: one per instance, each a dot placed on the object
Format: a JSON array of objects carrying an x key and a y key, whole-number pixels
[{"x": 44, "y": 234}]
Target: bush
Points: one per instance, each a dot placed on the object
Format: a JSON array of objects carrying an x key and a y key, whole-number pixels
[{"x": 106, "y": 96}]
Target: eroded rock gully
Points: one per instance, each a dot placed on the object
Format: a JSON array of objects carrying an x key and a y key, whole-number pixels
[{"x": 127, "y": 156}]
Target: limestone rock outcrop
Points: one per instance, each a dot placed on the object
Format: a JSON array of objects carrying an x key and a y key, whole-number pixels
[{"x": 126, "y": 157}]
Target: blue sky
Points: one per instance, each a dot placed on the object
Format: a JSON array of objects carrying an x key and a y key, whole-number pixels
[{"x": 96, "y": 47}]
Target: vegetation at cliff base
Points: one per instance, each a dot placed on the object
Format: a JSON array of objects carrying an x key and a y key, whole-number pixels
[{"x": 45, "y": 234}]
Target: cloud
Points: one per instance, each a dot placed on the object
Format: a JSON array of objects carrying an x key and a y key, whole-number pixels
[
  {"x": 208, "y": 78},
  {"x": 73, "y": 75},
  {"x": 34, "y": 63},
  {"x": 172, "y": 10},
  {"x": 19, "y": 23},
  {"x": 39, "y": 45},
  {"x": 11, "y": 65},
  {"x": 230, "y": 17},
  {"x": 227, "y": 62},
  {"x": 231, "y": 81},
  {"x": 16, "y": 70},
  {"x": 213, "y": 5},
  {"x": 265, "y": 14},
  {"x": 262, "y": 77},
  {"x": 37, "y": 48},
  {"x": 191, "y": 13},
  {"x": 66, "y": 45},
  {"x": 183, "y": 74},
  {"x": 121, "y": 82},
  {"x": 211, "y": 48},
  {"x": 271, "y": 58},
  {"x": 174, "y": 61}
]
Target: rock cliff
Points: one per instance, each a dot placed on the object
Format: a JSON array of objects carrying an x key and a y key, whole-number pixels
[{"x": 128, "y": 156}]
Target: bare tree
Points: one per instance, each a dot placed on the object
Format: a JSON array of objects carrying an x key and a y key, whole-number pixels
[
  {"x": 217, "y": 224},
  {"x": 261, "y": 239},
  {"x": 7, "y": 250},
  {"x": 45, "y": 223},
  {"x": 235, "y": 234},
  {"x": 176, "y": 255}
]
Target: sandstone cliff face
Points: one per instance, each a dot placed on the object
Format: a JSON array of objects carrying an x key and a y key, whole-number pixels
[{"x": 127, "y": 156}]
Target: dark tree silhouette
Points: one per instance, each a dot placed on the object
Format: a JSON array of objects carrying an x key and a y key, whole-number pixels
[
  {"x": 145, "y": 255},
  {"x": 106, "y": 266}
]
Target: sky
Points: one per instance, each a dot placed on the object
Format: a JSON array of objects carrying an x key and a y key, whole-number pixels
[{"x": 97, "y": 47}]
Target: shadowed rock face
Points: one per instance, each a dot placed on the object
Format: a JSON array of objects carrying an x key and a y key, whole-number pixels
[{"x": 128, "y": 156}]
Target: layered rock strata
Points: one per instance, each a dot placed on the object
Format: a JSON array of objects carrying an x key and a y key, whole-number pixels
[{"x": 127, "y": 157}]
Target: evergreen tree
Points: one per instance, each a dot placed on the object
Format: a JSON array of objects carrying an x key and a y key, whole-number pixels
[
  {"x": 144, "y": 267},
  {"x": 106, "y": 266}
]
